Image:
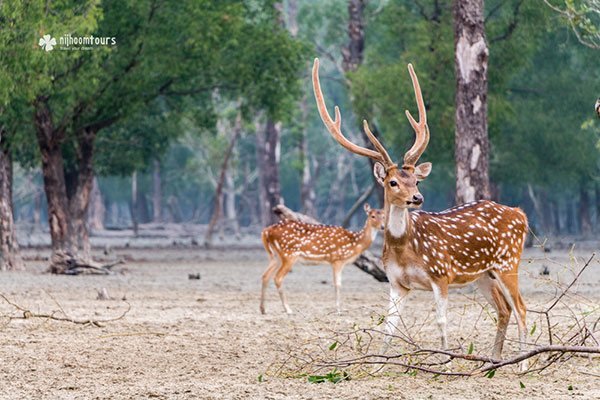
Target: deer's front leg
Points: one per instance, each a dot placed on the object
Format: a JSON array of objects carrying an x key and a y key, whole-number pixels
[
  {"x": 440, "y": 295},
  {"x": 398, "y": 295},
  {"x": 337, "y": 283}
]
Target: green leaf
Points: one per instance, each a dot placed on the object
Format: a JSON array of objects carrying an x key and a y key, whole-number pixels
[
  {"x": 490, "y": 374},
  {"x": 334, "y": 376},
  {"x": 570, "y": 387},
  {"x": 333, "y": 345},
  {"x": 522, "y": 385},
  {"x": 470, "y": 350},
  {"x": 260, "y": 378},
  {"x": 533, "y": 329}
]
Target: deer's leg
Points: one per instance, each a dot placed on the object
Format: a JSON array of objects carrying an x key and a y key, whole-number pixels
[
  {"x": 398, "y": 296},
  {"x": 440, "y": 295},
  {"x": 286, "y": 266},
  {"x": 266, "y": 277},
  {"x": 337, "y": 283},
  {"x": 509, "y": 283},
  {"x": 492, "y": 291}
]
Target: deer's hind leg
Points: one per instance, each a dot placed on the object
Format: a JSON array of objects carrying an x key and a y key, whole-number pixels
[
  {"x": 266, "y": 277},
  {"x": 492, "y": 292},
  {"x": 284, "y": 269},
  {"x": 509, "y": 283}
]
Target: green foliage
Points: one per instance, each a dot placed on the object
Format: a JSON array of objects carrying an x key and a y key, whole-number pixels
[
  {"x": 170, "y": 60},
  {"x": 583, "y": 16},
  {"x": 334, "y": 376}
]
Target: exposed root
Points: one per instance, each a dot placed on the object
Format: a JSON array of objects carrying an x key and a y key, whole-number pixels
[{"x": 66, "y": 264}]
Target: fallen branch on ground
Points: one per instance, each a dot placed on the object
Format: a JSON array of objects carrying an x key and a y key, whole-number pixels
[{"x": 28, "y": 314}]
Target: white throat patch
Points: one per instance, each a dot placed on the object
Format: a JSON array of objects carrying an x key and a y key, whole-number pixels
[{"x": 397, "y": 221}]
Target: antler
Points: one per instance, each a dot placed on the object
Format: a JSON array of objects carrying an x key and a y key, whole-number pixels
[
  {"x": 421, "y": 129},
  {"x": 334, "y": 126}
]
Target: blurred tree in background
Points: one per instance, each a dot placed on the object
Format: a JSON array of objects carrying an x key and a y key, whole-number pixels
[{"x": 161, "y": 105}]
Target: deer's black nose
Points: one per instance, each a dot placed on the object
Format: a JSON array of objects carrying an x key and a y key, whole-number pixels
[{"x": 417, "y": 199}]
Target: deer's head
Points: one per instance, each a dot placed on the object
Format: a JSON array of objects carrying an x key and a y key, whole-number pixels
[
  {"x": 399, "y": 183},
  {"x": 375, "y": 217}
]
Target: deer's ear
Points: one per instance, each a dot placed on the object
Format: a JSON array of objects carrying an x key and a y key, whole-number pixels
[
  {"x": 367, "y": 207},
  {"x": 422, "y": 170},
  {"x": 379, "y": 172}
]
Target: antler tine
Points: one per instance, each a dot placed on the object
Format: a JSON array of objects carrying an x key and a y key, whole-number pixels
[
  {"x": 334, "y": 125},
  {"x": 386, "y": 157},
  {"x": 421, "y": 129}
]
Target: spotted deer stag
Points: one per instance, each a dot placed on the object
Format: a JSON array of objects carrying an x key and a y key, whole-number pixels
[
  {"x": 290, "y": 241},
  {"x": 477, "y": 242}
]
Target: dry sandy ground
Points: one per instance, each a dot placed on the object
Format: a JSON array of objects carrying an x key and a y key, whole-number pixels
[{"x": 205, "y": 339}]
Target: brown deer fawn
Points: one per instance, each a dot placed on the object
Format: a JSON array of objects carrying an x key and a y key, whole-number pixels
[
  {"x": 290, "y": 241},
  {"x": 477, "y": 242}
]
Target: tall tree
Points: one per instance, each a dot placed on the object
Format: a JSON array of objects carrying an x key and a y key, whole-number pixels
[
  {"x": 92, "y": 93},
  {"x": 471, "y": 64}
]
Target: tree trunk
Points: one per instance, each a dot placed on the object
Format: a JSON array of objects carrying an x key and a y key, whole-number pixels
[
  {"x": 49, "y": 142},
  {"x": 230, "y": 206},
  {"x": 584, "y": 211},
  {"x": 156, "y": 192},
  {"x": 597, "y": 190},
  {"x": 134, "y": 199},
  {"x": 353, "y": 54},
  {"x": 471, "y": 138},
  {"x": 96, "y": 210},
  {"x": 220, "y": 184},
  {"x": 10, "y": 257},
  {"x": 268, "y": 153},
  {"x": 352, "y": 58},
  {"x": 37, "y": 210},
  {"x": 80, "y": 198}
]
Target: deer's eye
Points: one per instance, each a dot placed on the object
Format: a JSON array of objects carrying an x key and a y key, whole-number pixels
[{"x": 393, "y": 183}]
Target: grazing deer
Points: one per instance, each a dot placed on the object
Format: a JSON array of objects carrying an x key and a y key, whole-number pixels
[
  {"x": 290, "y": 241},
  {"x": 476, "y": 242}
]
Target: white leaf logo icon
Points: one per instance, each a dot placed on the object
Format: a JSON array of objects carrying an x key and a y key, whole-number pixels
[{"x": 47, "y": 42}]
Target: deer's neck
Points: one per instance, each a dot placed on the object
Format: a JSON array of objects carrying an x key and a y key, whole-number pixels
[
  {"x": 367, "y": 235},
  {"x": 398, "y": 221}
]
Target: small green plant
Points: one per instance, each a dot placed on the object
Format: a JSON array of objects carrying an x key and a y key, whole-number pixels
[
  {"x": 533, "y": 329},
  {"x": 470, "y": 349},
  {"x": 333, "y": 345},
  {"x": 490, "y": 374},
  {"x": 570, "y": 387},
  {"x": 521, "y": 385},
  {"x": 334, "y": 376}
]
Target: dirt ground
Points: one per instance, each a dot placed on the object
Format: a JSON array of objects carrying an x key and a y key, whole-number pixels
[{"x": 205, "y": 339}]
